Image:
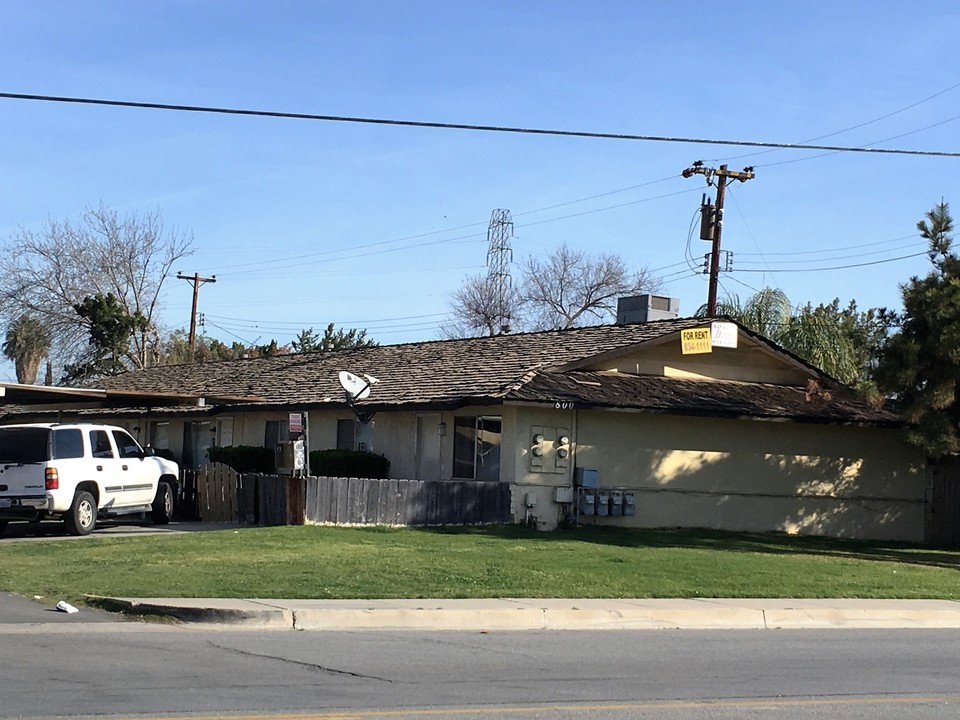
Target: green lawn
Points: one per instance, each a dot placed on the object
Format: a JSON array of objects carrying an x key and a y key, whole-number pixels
[{"x": 508, "y": 561}]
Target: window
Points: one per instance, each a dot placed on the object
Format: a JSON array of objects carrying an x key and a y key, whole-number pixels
[
  {"x": 476, "y": 447},
  {"x": 100, "y": 444},
  {"x": 126, "y": 445},
  {"x": 67, "y": 444},
  {"x": 225, "y": 432},
  {"x": 27, "y": 445},
  {"x": 275, "y": 432},
  {"x": 160, "y": 435},
  {"x": 346, "y": 434}
]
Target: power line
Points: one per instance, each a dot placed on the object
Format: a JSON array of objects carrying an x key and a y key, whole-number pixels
[
  {"x": 300, "y": 325},
  {"x": 837, "y": 267},
  {"x": 465, "y": 126},
  {"x": 257, "y": 268},
  {"x": 853, "y": 127},
  {"x": 831, "y": 250},
  {"x": 838, "y": 257}
]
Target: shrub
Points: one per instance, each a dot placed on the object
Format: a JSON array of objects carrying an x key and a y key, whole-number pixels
[
  {"x": 244, "y": 458},
  {"x": 348, "y": 463}
]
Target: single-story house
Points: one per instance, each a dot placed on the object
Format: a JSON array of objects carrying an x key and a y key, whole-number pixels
[{"x": 639, "y": 424}]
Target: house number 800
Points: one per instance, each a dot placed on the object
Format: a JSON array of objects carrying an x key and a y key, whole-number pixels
[{"x": 563, "y": 405}]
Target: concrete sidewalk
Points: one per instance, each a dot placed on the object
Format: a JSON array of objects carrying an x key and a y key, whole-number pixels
[{"x": 532, "y": 614}]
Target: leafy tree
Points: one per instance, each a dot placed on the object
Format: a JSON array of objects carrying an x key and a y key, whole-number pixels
[
  {"x": 110, "y": 326},
  {"x": 843, "y": 343},
  {"x": 271, "y": 349},
  {"x": 46, "y": 273},
  {"x": 341, "y": 339},
  {"x": 306, "y": 341},
  {"x": 27, "y": 343},
  {"x": 920, "y": 366}
]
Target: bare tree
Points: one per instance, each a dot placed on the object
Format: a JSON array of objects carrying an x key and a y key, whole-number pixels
[
  {"x": 476, "y": 308},
  {"x": 571, "y": 288},
  {"x": 46, "y": 273}
]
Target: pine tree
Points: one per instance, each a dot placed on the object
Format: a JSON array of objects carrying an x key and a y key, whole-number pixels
[{"x": 920, "y": 368}]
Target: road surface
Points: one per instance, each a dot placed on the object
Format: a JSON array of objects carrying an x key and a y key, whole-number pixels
[{"x": 128, "y": 669}]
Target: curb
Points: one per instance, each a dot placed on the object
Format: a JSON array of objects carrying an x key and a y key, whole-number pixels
[
  {"x": 191, "y": 613},
  {"x": 549, "y": 614}
]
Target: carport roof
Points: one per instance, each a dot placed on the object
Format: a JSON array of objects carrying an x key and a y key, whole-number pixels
[{"x": 17, "y": 394}]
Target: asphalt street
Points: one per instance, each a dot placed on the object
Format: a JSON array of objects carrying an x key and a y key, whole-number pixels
[{"x": 129, "y": 670}]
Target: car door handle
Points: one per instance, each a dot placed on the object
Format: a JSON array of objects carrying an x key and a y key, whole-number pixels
[
  {"x": 124, "y": 467},
  {"x": 99, "y": 468}
]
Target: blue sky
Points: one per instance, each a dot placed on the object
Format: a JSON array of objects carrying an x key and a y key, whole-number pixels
[{"x": 286, "y": 213}]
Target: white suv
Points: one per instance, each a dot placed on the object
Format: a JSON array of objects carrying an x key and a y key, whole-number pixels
[{"x": 80, "y": 472}]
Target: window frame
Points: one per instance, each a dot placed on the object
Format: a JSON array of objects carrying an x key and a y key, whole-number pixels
[{"x": 477, "y": 441}]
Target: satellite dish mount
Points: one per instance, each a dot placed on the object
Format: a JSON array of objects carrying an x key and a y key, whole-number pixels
[{"x": 357, "y": 388}]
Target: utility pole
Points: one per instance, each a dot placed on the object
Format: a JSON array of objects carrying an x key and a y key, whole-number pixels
[
  {"x": 196, "y": 281},
  {"x": 712, "y": 222}
]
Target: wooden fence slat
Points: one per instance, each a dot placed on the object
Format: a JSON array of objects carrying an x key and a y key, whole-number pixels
[{"x": 365, "y": 501}]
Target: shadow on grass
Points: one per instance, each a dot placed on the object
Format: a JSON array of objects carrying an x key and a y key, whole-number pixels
[{"x": 697, "y": 539}]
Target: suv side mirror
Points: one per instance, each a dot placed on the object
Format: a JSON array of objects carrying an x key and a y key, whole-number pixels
[{"x": 148, "y": 452}]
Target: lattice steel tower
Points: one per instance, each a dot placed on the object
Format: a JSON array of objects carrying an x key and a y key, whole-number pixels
[{"x": 499, "y": 257}]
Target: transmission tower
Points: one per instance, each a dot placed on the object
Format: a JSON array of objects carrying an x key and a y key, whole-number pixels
[{"x": 499, "y": 257}]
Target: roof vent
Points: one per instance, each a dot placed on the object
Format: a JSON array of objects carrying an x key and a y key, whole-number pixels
[{"x": 644, "y": 308}]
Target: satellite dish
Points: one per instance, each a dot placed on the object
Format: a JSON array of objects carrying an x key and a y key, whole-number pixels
[{"x": 356, "y": 388}]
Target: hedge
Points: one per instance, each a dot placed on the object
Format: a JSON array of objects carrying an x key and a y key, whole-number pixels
[
  {"x": 244, "y": 458},
  {"x": 348, "y": 463}
]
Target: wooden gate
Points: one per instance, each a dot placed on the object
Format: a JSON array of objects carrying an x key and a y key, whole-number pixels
[
  {"x": 212, "y": 490},
  {"x": 942, "y": 526}
]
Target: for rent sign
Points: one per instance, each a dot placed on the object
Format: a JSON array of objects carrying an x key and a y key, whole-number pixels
[{"x": 695, "y": 340}]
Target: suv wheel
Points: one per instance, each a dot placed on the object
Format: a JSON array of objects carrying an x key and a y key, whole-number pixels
[
  {"x": 81, "y": 518},
  {"x": 163, "y": 504}
]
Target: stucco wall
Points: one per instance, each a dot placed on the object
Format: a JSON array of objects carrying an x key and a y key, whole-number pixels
[
  {"x": 749, "y": 362},
  {"x": 756, "y": 476}
]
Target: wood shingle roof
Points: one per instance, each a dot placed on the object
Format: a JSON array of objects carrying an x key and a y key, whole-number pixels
[
  {"x": 521, "y": 368},
  {"x": 437, "y": 373}
]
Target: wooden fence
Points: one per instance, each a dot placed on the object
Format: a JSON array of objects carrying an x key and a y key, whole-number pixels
[
  {"x": 216, "y": 493},
  {"x": 360, "y": 501},
  {"x": 943, "y": 503}
]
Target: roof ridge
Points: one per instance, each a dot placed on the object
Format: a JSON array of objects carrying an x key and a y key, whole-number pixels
[{"x": 522, "y": 380}]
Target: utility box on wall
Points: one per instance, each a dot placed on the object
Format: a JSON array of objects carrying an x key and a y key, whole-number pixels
[
  {"x": 550, "y": 449},
  {"x": 587, "y": 503},
  {"x": 289, "y": 458},
  {"x": 586, "y": 477}
]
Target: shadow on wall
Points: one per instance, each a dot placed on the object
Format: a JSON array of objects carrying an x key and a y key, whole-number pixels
[{"x": 744, "y": 490}]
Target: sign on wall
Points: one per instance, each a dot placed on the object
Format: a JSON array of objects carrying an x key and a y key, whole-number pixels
[
  {"x": 295, "y": 422},
  {"x": 723, "y": 334},
  {"x": 695, "y": 340}
]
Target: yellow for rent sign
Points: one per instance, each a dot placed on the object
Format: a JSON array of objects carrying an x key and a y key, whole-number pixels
[{"x": 696, "y": 340}]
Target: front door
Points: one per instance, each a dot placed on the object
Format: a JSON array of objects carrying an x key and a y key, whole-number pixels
[{"x": 428, "y": 446}]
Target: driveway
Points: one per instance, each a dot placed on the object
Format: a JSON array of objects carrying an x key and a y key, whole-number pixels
[
  {"x": 53, "y": 530},
  {"x": 17, "y": 610}
]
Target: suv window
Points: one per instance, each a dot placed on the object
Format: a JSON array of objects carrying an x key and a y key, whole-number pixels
[
  {"x": 67, "y": 444},
  {"x": 24, "y": 445},
  {"x": 100, "y": 444},
  {"x": 126, "y": 445}
]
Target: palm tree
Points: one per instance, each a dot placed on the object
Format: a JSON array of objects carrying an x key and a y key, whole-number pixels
[
  {"x": 767, "y": 313},
  {"x": 27, "y": 343},
  {"x": 813, "y": 333}
]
